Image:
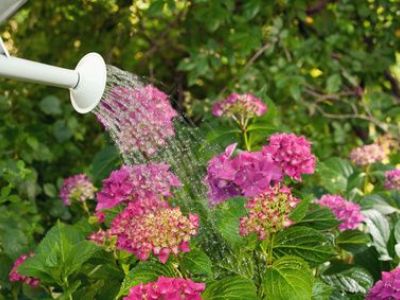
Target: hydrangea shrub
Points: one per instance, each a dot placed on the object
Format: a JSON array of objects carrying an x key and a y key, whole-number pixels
[{"x": 271, "y": 221}]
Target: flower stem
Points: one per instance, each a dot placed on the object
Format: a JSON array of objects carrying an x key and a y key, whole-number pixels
[
  {"x": 366, "y": 180},
  {"x": 246, "y": 140}
]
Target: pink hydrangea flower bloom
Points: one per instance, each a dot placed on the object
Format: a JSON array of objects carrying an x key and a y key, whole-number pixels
[
  {"x": 293, "y": 153},
  {"x": 347, "y": 212},
  {"x": 152, "y": 226},
  {"x": 15, "y": 276},
  {"x": 99, "y": 237},
  {"x": 247, "y": 174},
  {"x": 367, "y": 154},
  {"x": 268, "y": 212},
  {"x": 77, "y": 188},
  {"x": 166, "y": 288},
  {"x": 392, "y": 179},
  {"x": 130, "y": 183},
  {"x": 140, "y": 118},
  {"x": 388, "y": 288},
  {"x": 239, "y": 106}
]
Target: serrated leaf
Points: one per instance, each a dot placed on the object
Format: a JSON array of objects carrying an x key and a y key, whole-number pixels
[
  {"x": 306, "y": 243},
  {"x": 334, "y": 174},
  {"x": 104, "y": 162},
  {"x": 348, "y": 278},
  {"x": 227, "y": 220},
  {"x": 197, "y": 262},
  {"x": 379, "y": 229},
  {"x": 320, "y": 218},
  {"x": 288, "y": 278},
  {"x": 353, "y": 240},
  {"x": 60, "y": 254},
  {"x": 230, "y": 288},
  {"x": 321, "y": 291},
  {"x": 301, "y": 209},
  {"x": 379, "y": 203}
]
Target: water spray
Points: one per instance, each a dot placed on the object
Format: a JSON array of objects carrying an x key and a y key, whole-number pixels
[{"x": 86, "y": 83}]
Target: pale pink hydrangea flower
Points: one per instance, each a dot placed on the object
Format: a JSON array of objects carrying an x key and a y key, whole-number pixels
[
  {"x": 166, "y": 288},
  {"x": 293, "y": 153},
  {"x": 348, "y": 213},
  {"x": 268, "y": 212},
  {"x": 388, "y": 288},
  {"x": 392, "y": 179},
  {"x": 15, "y": 276},
  {"x": 130, "y": 183},
  {"x": 239, "y": 106},
  {"x": 100, "y": 237},
  {"x": 247, "y": 174},
  {"x": 367, "y": 154},
  {"x": 151, "y": 226},
  {"x": 77, "y": 188},
  {"x": 141, "y": 118}
]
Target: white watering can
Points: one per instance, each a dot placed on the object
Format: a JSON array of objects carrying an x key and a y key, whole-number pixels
[{"x": 86, "y": 83}]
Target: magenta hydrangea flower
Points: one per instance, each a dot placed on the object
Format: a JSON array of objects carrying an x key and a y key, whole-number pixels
[
  {"x": 15, "y": 276},
  {"x": 392, "y": 179},
  {"x": 348, "y": 213},
  {"x": 166, "y": 288},
  {"x": 388, "y": 288},
  {"x": 247, "y": 174},
  {"x": 367, "y": 154},
  {"x": 293, "y": 153},
  {"x": 130, "y": 183},
  {"x": 140, "y": 118},
  {"x": 77, "y": 188},
  {"x": 152, "y": 226},
  {"x": 268, "y": 212},
  {"x": 239, "y": 106}
]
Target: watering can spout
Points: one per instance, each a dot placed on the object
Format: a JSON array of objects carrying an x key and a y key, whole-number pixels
[{"x": 86, "y": 83}]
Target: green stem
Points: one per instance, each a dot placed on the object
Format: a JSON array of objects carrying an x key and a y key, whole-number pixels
[
  {"x": 246, "y": 140},
  {"x": 86, "y": 208},
  {"x": 67, "y": 292},
  {"x": 366, "y": 180}
]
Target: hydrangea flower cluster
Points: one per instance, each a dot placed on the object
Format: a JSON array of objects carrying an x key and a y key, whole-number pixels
[
  {"x": 140, "y": 118},
  {"x": 247, "y": 174},
  {"x": 268, "y": 212},
  {"x": 166, "y": 288},
  {"x": 239, "y": 106},
  {"x": 15, "y": 276},
  {"x": 367, "y": 154},
  {"x": 388, "y": 288},
  {"x": 151, "y": 225},
  {"x": 130, "y": 183},
  {"x": 347, "y": 212},
  {"x": 293, "y": 153},
  {"x": 392, "y": 179},
  {"x": 77, "y": 188}
]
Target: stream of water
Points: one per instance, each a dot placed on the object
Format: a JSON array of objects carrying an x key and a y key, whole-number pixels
[{"x": 142, "y": 129}]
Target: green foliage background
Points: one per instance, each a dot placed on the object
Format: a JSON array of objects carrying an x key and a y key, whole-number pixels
[{"x": 327, "y": 69}]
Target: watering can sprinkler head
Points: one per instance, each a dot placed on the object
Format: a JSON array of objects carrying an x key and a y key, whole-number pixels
[{"x": 86, "y": 83}]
